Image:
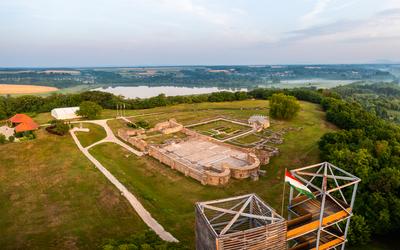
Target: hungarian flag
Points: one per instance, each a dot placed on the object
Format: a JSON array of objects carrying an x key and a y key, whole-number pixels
[{"x": 296, "y": 184}]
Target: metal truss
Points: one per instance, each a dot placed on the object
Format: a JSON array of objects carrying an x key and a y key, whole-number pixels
[{"x": 328, "y": 182}]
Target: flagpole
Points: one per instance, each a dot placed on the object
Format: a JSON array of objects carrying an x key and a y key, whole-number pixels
[{"x": 283, "y": 194}]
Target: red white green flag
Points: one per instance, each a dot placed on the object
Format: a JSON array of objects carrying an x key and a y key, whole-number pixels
[{"x": 296, "y": 184}]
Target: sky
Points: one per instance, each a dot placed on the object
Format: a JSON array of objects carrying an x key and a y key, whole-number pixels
[{"x": 77, "y": 33}]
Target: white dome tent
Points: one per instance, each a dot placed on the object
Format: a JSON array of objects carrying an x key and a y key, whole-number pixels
[{"x": 65, "y": 113}]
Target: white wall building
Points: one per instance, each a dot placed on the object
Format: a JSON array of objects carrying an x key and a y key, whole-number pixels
[{"x": 65, "y": 113}]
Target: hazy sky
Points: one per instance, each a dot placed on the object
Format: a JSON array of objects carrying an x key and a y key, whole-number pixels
[{"x": 193, "y": 32}]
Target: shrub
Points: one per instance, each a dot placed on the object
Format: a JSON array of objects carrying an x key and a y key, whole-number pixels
[
  {"x": 283, "y": 106},
  {"x": 2, "y": 139},
  {"x": 58, "y": 127},
  {"x": 11, "y": 139},
  {"x": 359, "y": 232},
  {"x": 131, "y": 125},
  {"x": 143, "y": 124}
]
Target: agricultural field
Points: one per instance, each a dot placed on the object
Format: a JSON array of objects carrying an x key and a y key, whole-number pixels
[
  {"x": 24, "y": 89},
  {"x": 73, "y": 206}
]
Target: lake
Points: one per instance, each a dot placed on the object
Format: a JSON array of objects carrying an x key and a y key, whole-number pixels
[{"x": 146, "y": 91}]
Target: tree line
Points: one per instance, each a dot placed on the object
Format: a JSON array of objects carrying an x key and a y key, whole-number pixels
[
  {"x": 368, "y": 147},
  {"x": 37, "y": 104}
]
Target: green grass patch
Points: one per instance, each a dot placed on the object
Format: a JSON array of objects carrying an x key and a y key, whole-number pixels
[
  {"x": 251, "y": 138},
  {"x": 52, "y": 197},
  {"x": 170, "y": 196},
  {"x": 95, "y": 134}
]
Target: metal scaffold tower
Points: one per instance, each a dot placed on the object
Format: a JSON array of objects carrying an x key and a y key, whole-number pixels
[{"x": 321, "y": 222}]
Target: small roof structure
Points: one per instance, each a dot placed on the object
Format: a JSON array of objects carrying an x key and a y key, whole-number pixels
[
  {"x": 65, "y": 113},
  {"x": 26, "y": 126},
  {"x": 235, "y": 214},
  {"x": 25, "y": 123},
  {"x": 19, "y": 118}
]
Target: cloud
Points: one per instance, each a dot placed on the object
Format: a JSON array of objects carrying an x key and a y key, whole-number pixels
[
  {"x": 311, "y": 17},
  {"x": 384, "y": 25}
]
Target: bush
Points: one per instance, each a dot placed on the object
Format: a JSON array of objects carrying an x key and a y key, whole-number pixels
[
  {"x": 2, "y": 139},
  {"x": 143, "y": 124},
  {"x": 359, "y": 233},
  {"x": 143, "y": 241},
  {"x": 283, "y": 106},
  {"x": 89, "y": 109},
  {"x": 11, "y": 139},
  {"x": 58, "y": 127},
  {"x": 131, "y": 125}
]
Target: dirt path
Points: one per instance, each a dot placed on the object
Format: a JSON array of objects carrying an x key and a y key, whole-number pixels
[{"x": 142, "y": 212}]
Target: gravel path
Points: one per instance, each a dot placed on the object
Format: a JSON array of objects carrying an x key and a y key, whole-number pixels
[{"x": 142, "y": 212}]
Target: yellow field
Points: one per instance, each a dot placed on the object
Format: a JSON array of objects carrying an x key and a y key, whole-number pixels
[{"x": 24, "y": 89}]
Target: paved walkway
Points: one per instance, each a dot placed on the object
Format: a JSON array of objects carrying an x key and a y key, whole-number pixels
[
  {"x": 142, "y": 212},
  {"x": 110, "y": 137}
]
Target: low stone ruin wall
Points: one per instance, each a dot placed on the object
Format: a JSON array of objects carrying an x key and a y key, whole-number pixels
[{"x": 135, "y": 141}]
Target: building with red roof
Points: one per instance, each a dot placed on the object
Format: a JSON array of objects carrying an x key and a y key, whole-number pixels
[{"x": 23, "y": 123}]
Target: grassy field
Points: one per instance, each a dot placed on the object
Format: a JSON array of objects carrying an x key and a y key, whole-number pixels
[
  {"x": 220, "y": 129},
  {"x": 96, "y": 133},
  {"x": 251, "y": 138},
  {"x": 170, "y": 196},
  {"x": 24, "y": 89},
  {"x": 51, "y": 197}
]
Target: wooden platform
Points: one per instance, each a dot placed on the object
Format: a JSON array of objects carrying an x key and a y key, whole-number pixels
[{"x": 303, "y": 228}]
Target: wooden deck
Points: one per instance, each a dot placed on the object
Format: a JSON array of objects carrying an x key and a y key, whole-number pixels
[
  {"x": 309, "y": 227},
  {"x": 303, "y": 228},
  {"x": 329, "y": 244}
]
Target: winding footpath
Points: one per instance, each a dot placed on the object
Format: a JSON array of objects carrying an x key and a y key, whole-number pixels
[{"x": 142, "y": 212}]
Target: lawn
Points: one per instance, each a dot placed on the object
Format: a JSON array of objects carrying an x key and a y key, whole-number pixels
[
  {"x": 162, "y": 138},
  {"x": 251, "y": 138},
  {"x": 170, "y": 196},
  {"x": 220, "y": 129},
  {"x": 96, "y": 133},
  {"x": 51, "y": 196}
]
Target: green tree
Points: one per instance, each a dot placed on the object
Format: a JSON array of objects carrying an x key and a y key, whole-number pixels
[
  {"x": 359, "y": 232},
  {"x": 283, "y": 106},
  {"x": 89, "y": 109}
]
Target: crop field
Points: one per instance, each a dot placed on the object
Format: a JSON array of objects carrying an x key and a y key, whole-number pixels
[{"x": 24, "y": 89}]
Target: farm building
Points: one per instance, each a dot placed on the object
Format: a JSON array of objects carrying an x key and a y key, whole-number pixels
[
  {"x": 22, "y": 123},
  {"x": 65, "y": 113}
]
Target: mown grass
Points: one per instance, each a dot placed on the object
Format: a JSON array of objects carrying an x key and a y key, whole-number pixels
[
  {"x": 170, "y": 196},
  {"x": 52, "y": 197},
  {"x": 251, "y": 138},
  {"x": 96, "y": 133}
]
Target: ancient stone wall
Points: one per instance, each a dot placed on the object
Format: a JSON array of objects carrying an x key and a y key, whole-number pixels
[{"x": 140, "y": 144}]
